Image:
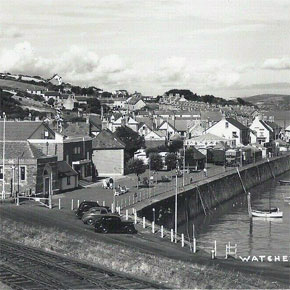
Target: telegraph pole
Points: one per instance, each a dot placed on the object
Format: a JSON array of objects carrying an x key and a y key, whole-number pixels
[
  {"x": 175, "y": 215},
  {"x": 183, "y": 165},
  {"x": 3, "y": 166}
]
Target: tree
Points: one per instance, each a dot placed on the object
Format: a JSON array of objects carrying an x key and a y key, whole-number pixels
[
  {"x": 135, "y": 166},
  {"x": 132, "y": 140},
  {"x": 189, "y": 157},
  {"x": 170, "y": 161},
  {"x": 151, "y": 150},
  {"x": 175, "y": 145},
  {"x": 50, "y": 101},
  {"x": 94, "y": 105},
  {"x": 156, "y": 162}
]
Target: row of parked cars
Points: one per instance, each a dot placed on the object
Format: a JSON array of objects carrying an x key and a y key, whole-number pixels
[{"x": 103, "y": 220}]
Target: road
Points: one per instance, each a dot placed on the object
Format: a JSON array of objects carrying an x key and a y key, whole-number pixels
[
  {"x": 106, "y": 196},
  {"x": 33, "y": 214}
]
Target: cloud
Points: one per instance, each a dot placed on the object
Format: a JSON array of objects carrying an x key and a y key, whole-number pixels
[
  {"x": 77, "y": 65},
  {"x": 267, "y": 86},
  {"x": 214, "y": 74},
  {"x": 277, "y": 63}
]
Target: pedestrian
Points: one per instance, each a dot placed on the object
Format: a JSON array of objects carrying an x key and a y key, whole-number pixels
[
  {"x": 191, "y": 179},
  {"x": 205, "y": 172}
]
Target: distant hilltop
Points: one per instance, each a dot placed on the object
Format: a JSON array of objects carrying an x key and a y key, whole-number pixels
[
  {"x": 270, "y": 101},
  {"x": 267, "y": 98}
]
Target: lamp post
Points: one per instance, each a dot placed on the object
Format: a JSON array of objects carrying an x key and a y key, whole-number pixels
[
  {"x": 175, "y": 215},
  {"x": 3, "y": 166},
  {"x": 13, "y": 178},
  {"x": 149, "y": 178},
  {"x": 183, "y": 177},
  {"x": 153, "y": 212}
]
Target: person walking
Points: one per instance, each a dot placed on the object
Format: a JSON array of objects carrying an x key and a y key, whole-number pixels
[{"x": 205, "y": 172}]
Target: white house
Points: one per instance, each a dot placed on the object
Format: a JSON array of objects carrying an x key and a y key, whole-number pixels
[
  {"x": 123, "y": 121},
  {"x": 208, "y": 140},
  {"x": 287, "y": 134},
  {"x": 168, "y": 128},
  {"x": 144, "y": 129},
  {"x": 230, "y": 128},
  {"x": 265, "y": 131},
  {"x": 157, "y": 135},
  {"x": 134, "y": 104}
]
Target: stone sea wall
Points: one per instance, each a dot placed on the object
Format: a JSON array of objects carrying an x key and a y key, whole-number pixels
[{"x": 210, "y": 193}]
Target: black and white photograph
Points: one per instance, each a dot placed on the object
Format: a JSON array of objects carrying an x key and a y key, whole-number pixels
[{"x": 144, "y": 144}]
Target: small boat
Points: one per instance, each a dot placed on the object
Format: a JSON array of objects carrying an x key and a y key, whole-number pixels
[
  {"x": 284, "y": 182},
  {"x": 265, "y": 213}
]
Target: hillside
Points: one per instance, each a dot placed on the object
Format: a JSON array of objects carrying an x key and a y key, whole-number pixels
[
  {"x": 267, "y": 97},
  {"x": 17, "y": 85},
  {"x": 21, "y": 108},
  {"x": 270, "y": 101}
]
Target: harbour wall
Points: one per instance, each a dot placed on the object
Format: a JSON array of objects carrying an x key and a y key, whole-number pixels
[{"x": 208, "y": 194}]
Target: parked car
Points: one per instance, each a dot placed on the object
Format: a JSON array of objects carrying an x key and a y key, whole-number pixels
[
  {"x": 121, "y": 190},
  {"x": 165, "y": 178},
  {"x": 85, "y": 206},
  {"x": 113, "y": 224},
  {"x": 89, "y": 217}
]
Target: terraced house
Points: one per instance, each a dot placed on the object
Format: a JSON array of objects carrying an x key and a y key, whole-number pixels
[
  {"x": 25, "y": 169},
  {"x": 41, "y": 160}
]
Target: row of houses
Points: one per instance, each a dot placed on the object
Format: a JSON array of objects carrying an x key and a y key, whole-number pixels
[{"x": 39, "y": 159}]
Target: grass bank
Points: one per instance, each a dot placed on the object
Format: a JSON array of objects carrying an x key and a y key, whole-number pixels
[{"x": 176, "y": 274}]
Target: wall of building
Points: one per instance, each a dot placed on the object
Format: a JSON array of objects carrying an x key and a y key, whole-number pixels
[
  {"x": 14, "y": 180},
  {"x": 73, "y": 183},
  {"x": 85, "y": 152},
  {"x": 50, "y": 162},
  {"x": 109, "y": 162},
  {"x": 218, "y": 190}
]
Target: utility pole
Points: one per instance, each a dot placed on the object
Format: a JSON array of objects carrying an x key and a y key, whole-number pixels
[
  {"x": 149, "y": 178},
  {"x": 13, "y": 178},
  {"x": 183, "y": 177},
  {"x": 3, "y": 166},
  {"x": 175, "y": 215}
]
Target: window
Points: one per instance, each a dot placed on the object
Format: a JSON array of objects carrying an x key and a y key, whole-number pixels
[
  {"x": 227, "y": 124},
  {"x": 68, "y": 180},
  {"x": 1, "y": 172},
  {"x": 77, "y": 150},
  {"x": 22, "y": 173},
  {"x": 46, "y": 135},
  {"x": 235, "y": 134}
]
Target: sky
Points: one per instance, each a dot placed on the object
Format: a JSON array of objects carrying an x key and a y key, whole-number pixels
[{"x": 228, "y": 48}]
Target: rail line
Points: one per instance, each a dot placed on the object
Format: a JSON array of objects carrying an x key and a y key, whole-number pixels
[{"x": 23, "y": 267}]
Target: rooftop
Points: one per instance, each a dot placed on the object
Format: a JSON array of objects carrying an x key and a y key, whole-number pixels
[
  {"x": 64, "y": 170},
  {"x": 237, "y": 124},
  {"x": 18, "y": 131},
  {"x": 107, "y": 140}
]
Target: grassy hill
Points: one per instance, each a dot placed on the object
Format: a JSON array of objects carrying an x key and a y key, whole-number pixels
[
  {"x": 271, "y": 101},
  {"x": 17, "y": 85},
  {"x": 267, "y": 98}
]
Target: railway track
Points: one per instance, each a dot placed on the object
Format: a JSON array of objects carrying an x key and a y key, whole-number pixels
[{"x": 23, "y": 267}]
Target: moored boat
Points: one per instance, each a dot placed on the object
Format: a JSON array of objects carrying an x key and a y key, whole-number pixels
[
  {"x": 284, "y": 182},
  {"x": 265, "y": 213}
]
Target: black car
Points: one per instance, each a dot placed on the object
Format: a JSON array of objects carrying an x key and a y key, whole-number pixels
[
  {"x": 85, "y": 206},
  {"x": 114, "y": 224}
]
